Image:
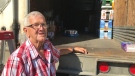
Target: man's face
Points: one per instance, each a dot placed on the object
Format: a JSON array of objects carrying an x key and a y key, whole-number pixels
[{"x": 37, "y": 30}]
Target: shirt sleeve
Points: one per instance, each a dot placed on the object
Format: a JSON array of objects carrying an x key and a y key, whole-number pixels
[
  {"x": 56, "y": 54},
  {"x": 14, "y": 67}
]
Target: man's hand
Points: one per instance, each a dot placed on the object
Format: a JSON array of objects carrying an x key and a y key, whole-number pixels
[{"x": 80, "y": 50}]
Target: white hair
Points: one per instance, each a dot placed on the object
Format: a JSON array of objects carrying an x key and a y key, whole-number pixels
[{"x": 32, "y": 14}]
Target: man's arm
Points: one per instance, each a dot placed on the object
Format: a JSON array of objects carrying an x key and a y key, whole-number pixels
[{"x": 74, "y": 50}]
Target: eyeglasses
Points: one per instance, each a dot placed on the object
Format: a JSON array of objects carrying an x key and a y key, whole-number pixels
[{"x": 37, "y": 25}]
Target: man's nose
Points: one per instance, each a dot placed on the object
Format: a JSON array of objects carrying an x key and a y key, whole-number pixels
[{"x": 40, "y": 27}]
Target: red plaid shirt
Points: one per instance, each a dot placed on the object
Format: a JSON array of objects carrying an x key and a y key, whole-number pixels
[{"x": 26, "y": 61}]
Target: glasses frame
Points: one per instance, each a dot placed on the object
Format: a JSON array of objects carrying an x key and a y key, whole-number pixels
[{"x": 36, "y": 25}]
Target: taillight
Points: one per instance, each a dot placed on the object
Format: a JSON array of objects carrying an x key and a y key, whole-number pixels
[
  {"x": 103, "y": 67},
  {"x": 132, "y": 69}
]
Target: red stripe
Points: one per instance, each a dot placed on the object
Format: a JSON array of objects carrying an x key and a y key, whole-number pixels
[{"x": 7, "y": 68}]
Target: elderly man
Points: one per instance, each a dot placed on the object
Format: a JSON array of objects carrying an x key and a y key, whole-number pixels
[{"x": 36, "y": 56}]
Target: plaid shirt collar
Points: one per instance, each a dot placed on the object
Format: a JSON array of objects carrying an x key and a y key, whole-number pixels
[
  {"x": 33, "y": 52},
  {"x": 31, "y": 49}
]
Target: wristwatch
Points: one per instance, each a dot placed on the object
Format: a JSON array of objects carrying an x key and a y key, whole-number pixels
[{"x": 73, "y": 50}]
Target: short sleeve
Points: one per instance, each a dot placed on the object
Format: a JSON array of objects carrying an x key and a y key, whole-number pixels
[{"x": 13, "y": 67}]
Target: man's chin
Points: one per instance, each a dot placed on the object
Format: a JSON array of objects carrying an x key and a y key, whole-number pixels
[{"x": 41, "y": 39}]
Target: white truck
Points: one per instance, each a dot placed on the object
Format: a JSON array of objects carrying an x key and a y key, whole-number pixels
[{"x": 105, "y": 58}]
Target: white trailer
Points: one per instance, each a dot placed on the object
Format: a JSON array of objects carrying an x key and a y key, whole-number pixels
[{"x": 105, "y": 58}]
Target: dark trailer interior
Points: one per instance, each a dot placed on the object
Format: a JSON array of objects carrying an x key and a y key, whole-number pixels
[{"x": 71, "y": 14}]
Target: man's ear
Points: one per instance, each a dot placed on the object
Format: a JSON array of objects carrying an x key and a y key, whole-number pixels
[{"x": 25, "y": 30}]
